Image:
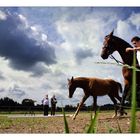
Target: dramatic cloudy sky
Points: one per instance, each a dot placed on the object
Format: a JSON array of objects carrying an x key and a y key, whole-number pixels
[{"x": 40, "y": 47}]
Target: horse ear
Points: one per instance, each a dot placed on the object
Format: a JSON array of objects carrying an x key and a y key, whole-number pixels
[
  {"x": 72, "y": 78},
  {"x": 111, "y": 34}
]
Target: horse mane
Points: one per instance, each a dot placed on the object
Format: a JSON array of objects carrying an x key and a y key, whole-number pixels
[
  {"x": 126, "y": 44},
  {"x": 126, "y": 57},
  {"x": 80, "y": 78}
]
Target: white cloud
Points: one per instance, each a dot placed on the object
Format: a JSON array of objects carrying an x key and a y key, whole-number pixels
[
  {"x": 2, "y": 15},
  {"x": 123, "y": 27},
  {"x": 80, "y": 33},
  {"x": 125, "y": 30},
  {"x": 135, "y": 20},
  {"x": 128, "y": 28}
]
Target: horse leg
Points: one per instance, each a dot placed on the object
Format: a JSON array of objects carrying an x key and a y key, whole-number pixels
[
  {"x": 120, "y": 99},
  {"x": 79, "y": 106},
  {"x": 115, "y": 104},
  {"x": 95, "y": 103},
  {"x": 121, "y": 110}
]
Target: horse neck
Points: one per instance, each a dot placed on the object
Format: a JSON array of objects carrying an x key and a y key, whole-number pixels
[
  {"x": 121, "y": 46},
  {"x": 80, "y": 83}
]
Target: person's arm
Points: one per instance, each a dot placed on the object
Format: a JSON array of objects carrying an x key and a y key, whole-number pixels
[
  {"x": 132, "y": 49},
  {"x": 137, "y": 49}
]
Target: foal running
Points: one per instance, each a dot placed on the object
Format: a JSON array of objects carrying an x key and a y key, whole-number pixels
[{"x": 95, "y": 87}]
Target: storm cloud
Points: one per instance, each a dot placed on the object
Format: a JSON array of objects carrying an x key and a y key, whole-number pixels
[{"x": 22, "y": 44}]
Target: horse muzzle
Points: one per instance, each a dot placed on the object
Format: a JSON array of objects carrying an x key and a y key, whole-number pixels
[
  {"x": 70, "y": 96},
  {"x": 104, "y": 56}
]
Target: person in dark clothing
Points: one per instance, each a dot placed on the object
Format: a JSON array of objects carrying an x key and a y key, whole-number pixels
[
  {"x": 45, "y": 103},
  {"x": 53, "y": 105}
]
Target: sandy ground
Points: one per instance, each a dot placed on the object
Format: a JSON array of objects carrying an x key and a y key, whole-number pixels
[{"x": 55, "y": 124}]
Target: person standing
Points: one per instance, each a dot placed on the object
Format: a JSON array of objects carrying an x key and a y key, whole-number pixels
[
  {"x": 45, "y": 103},
  {"x": 136, "y": 43},
  {"x": 53, "y": 105}
]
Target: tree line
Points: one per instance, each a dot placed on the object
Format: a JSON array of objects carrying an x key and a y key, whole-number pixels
[{"x": 8, "y": 104}]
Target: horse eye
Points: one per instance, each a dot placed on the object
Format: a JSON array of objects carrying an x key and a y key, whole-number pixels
[{"x": 105, "y": 47}]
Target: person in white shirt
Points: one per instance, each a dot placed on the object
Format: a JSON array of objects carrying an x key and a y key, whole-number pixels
[
  {"x": 136, "y": 42},
  {"x": 45, "y": 103}
]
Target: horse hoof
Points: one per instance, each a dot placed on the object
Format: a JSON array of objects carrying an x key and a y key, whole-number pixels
[
  {"x": 121, "y": 113},
  {"x": 125, "y": 113},
  {"x": 73, "y": 118}
]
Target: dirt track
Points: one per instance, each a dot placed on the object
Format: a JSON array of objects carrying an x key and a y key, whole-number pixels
[{"x": 44, "y": 125}]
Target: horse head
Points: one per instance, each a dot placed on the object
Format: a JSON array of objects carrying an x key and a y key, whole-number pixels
[
  {"x": 71, "y": 87},
  {"x": 108, "y": 46}
]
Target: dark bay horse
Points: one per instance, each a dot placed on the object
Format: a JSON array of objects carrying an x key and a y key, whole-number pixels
[
  {"x": 112, "y": 44},
  {"x": 95, "y": 87}
]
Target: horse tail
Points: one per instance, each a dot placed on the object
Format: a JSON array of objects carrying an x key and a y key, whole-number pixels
[{"x": 120, "y": 86}]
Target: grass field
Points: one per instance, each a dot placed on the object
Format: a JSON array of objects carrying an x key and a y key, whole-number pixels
[{"x": 45, "y": 125}]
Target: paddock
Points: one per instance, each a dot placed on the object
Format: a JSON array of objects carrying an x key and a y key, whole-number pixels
[{"x": 38, "y": 124}]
